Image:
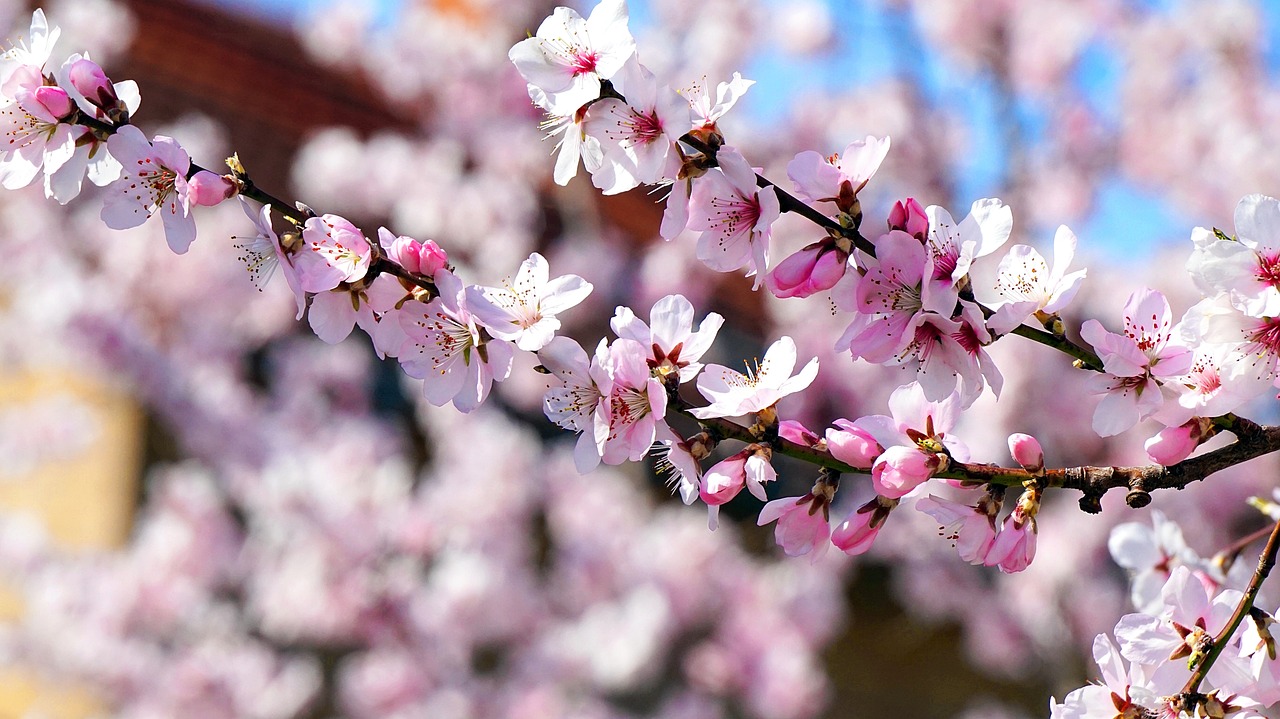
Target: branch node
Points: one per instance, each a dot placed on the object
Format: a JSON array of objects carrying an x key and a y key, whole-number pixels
[
  {"x": 1091, "y": 502},
  {"x": 1138, "y": 496}
]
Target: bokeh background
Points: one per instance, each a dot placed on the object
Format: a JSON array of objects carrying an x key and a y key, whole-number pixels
[{"x": 209, "y": 513}]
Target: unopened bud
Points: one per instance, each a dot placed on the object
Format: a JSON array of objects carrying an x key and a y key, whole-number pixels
[
  {"x": 56, "y": 101},
  {"x": 207, "y": 189},
  {"x": 88, "y": 79},
  {"x": 909, "y": 216},
  {"x": 1027, "y": 452},
  {"x": 1174, "y": 444}
]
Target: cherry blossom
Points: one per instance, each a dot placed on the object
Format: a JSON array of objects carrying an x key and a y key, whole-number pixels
[
  {"x": 750, "y": 468},
  {"x": 1026, "y": 284},
  {"x": 1134, "y": 361},
  {"x": 569, "y": 56},
  {"x": 34, "y": 126},
  {"x": 262, "y": 254},
  {"x": 916, "y": 440},
  {"x": 1246, "y": 268},
  {"x": 419, "y": 258},
  {"x": 633, "y": 403},
  {"x": 154, "y": 180},
  {"x": 637, "y": 137},
  {"x": 446, "y": 350},
  {"x": 572, "y": 404},
  {"x": 804, "y": 526},
  {"x": 524, "y": 310},
  {"x": 734, "y": 216},
  {"x": 953, "y": 247},
  {"x": 675, "y": 347},
  {"x": 971, "y": 529},
  {"x": 733, "y": 394},
  {"x": 333, "y": 251},
  {"x": 837, "y": 178}
]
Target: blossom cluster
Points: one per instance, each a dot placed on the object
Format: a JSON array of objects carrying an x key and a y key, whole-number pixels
[
  {"x": 906, "y": 292},
  {"x": 1185, "y": 603}
]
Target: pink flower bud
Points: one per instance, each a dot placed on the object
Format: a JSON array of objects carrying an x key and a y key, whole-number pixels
[
  {"x": 89, "y": 80},
  {"x": 420, "y": 258},
  {"x": 901, "y": 469},
  {"x": 207, "y": 189},
  {"x": 793, "y": 431},
  {"x": 858, "y": 531},
  {"x": 853, "y": 445},
  {"x": 1026, "y": 451},
  {"x": 1175, "y": 444},
  {"x": 909, "y": 216},
  {"x": 55, "y": 100},
  {"x": 813, "y": 269}
]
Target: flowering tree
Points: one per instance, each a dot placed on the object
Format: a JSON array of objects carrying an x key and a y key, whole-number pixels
[{"x": 252, "y": 588}]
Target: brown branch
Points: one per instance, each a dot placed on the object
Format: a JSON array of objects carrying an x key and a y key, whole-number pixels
[
  {"x": 1190, "y": 694},
  {"x": 1252, "y": 441}
]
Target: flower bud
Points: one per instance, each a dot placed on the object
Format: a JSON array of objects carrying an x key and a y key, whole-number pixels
[
  {"x": 1026, "y": 452},
  {"x": 853, "y": 445},
  {"x": 55, "y": 100},
  {"x": 208, "y": 189},
  {"x": 813, "y": 269},
  {"x": 858, "y": 531},
  {"x": 1174, "y": 444},
  {"x": 909, "y": 216},
  {"x": 793, "y": 431},
  {"x": 419, "y": 258},
  {"x": 89, "y": 80}
]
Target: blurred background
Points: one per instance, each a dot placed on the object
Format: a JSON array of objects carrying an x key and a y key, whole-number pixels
[{"x": 209, "y": 513}]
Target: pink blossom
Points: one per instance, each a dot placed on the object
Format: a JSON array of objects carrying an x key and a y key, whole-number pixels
[
  {"x": 262, "y": 254},
  {"x": 890, "y": 299},
  {"x": 371, "y": 305},
  {"x": 953, "y": 247},
  {"x": 524, "y": 310},
  {"x": 1134, "y": 362},
  {"x": 35, "y": 136},
  {"x": 837, "y": 178},
  {"x": 633, "y": 402},
  {"x": 154, "y": 179},
  {"x": 675, "y": 347},
  {"x": 1246, "y": 269},
  {"x": 793, "y": 431},
  {"x": 707, "y": 113},
  {"x": 733, "y": 394},
  {"x": 569, "y": 56},
  {"x": 572, "y": 404},
  {"x": 1026, "y": 284},
  {"x": 333, "y": 251},
  {"x": 803, "y": 523},
  {"x": 638, "y": 136},
  {"x": 1015, "y": 545},
  {"x": 446, "y": 351},
  {"x": 734, "y": 216},
  {"x": 971, "y": 529},
  {"x": 915, "y": 437},
  {"x": 1190, "y": 615},
  {"x": 91, "y": 157},
  {"x": 859, "y": 530}
]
